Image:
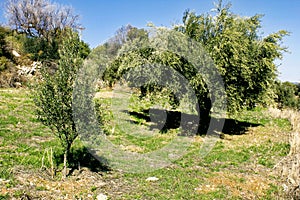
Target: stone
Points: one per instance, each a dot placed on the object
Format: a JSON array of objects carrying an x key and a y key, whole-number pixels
[
  {"x": 102, "y": 197},
  {"x": 15, "y": 53},
  {"x": 152, "y": 178}
]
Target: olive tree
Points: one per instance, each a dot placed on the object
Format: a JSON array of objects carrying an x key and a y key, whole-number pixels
[
  {"x": 143, "y": 54},
  {"x": 53, "y": 96},
  {"x": 244, "y": 58}
]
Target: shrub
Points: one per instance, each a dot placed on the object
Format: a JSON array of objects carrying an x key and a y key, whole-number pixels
[{"x": 287, "y": 95}]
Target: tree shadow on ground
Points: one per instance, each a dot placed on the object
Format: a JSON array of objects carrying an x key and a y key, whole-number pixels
[
  {"x": 235, "y": 127},
  {"x": 140, "y": 115},
  {"x": 80, "y": 157},
  {"x": 166, "y": 120}
]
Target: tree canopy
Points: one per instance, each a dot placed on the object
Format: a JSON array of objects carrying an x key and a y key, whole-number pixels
[
  {"x": 40, "y": 18},
  {"x": 288, "y": 95},
  {"x": 244, "y": 57}
]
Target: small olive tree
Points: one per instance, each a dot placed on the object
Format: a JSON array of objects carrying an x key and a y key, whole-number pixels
[{"x": 53, "y": 96}]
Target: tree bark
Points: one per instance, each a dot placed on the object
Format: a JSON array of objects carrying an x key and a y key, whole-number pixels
[
  {"x": 65, "y": 164},
  {"x": 204, "y": 116}
]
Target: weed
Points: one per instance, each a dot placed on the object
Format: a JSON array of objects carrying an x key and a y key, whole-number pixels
[
  {"x": 40, "y": 188},
  {"x": 93, "y": 188}
]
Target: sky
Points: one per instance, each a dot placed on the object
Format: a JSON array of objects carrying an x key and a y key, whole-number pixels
[{"x": 102, "y": 18}]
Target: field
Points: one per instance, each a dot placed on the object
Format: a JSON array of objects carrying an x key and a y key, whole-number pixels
[{"x": 240, "y": 166}]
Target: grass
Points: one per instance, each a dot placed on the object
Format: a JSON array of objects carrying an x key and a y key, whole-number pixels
[
  {"x": 23, "y": 138},
  {"x": 117, "y": 123},
  {"x": 193, "y": 177},
  {"x": 238, "y": 167}
]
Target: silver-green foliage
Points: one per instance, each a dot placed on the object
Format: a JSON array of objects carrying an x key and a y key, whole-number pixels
[
  {"x": 243, "y": 57},
  {"x": 53, "y": 95}
]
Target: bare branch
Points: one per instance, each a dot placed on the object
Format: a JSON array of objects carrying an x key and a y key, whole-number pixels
[{"x": 37, "y": 18}]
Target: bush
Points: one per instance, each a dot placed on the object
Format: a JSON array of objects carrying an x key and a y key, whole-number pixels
[
  {"x": 4, "y": 62},
  {"x": 287, "y": 95},
  {"x": 104, "y": 114}
]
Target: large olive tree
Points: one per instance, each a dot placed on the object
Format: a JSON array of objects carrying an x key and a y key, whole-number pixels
[
  {"x": 132, "y": 66},
  {"x": 244, "y": 57}
]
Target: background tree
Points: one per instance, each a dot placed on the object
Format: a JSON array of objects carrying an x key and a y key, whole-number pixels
[
  {"x": 42, "y": 21},
  {"x": 40, "y": 18},
  {"x": 244, "y": 58},
  {"x": 11, "y": 41},
  {"x": 124, "y": 34},
  {"x": 5, "y": 55},
  {"x": 53, "y": 96},
  {"x": 111, "y": 48},
  {"x": 12, "y": 54},
  {"x": 287, "y": 95}
]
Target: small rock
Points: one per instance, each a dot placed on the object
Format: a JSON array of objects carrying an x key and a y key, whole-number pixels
[
  {"x": 15, "y": 53},
  {"x": 285, "y": 187},
  {"x": 222, "y": 135},
  {"x": 102, "y": 197},
  {"x": 4, "y": 181},
  {"x": 152, "y": 178},
  {"x": 18, "y": 84}
]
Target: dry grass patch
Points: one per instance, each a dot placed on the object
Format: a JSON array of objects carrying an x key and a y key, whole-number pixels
[
  {"x": 246, "y": 186},
  {"x": 289, "y": 167},
  {"x": 82, "y": 184}
]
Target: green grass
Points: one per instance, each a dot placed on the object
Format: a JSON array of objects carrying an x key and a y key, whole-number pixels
[
  {"x": 117, "y": 123},
  {"x": 19, "y": 132},
  {"x": 259, "y": 116},
  {"x": 234, "y": 166},
  {"x": 192, "y": 171},
  {"x": 267, "y": 151}
]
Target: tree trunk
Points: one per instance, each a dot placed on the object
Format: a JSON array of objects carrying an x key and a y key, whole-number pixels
[
  {"x": 204, "y": 116},
  {"x": 65, "y": 164},
  {"x": 204, "y": 121}
]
